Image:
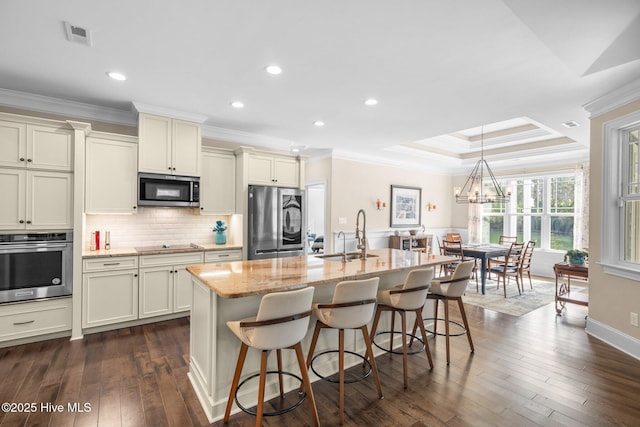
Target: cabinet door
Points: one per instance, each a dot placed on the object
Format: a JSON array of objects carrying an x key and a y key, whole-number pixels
[
  {"x": 109, "y": 297},
  {"x": 218, "y": 184},
  {"x": 260, "y": 168},
  {"x": 111, "y": 176},
  {"x": 286, "y": 172},
  {"x": 12, "y": 193},
  {"x": 183, "y": 289},
  {"x": 154, "y": 145},
  {"x": 13, "y": 144},
  {"x": 156, "y": 291},
  {"x": 49, "y": 148},
  {"x": 187, "y": 144},
  {"x": 49, "y": 200}
]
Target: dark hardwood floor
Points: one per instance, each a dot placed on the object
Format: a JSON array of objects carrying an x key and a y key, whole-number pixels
[{"x": 538, "y": 369}]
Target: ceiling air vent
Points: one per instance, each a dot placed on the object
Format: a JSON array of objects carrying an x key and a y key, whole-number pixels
[
  {"x": 571, "y": 124},
  {"x": 78, "y": 34}
]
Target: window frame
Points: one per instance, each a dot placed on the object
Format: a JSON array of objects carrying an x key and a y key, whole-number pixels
[{"x": 615, "y": 159}]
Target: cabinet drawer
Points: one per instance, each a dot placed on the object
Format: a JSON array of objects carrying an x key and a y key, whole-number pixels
[
  {"x": 223, "y": 256},
  {"x": 35, "y": 318},
  {"x": 109, "y": 263},
  {"x": 171, "y": 259}
]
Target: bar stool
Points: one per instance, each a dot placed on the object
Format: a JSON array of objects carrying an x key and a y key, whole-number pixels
[
  {"x": 411, "y": 297},
  {"x": 352, "y": 308},
  {"x": 281, "y": 322},
  {"x": 451, "y": 288}
]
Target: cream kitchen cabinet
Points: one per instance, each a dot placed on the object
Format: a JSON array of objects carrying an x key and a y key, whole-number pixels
[
  {"x": 35, "y": 318},
  {"x": 35, "y": 200},
  {"x": 111, "y": 174},
  {"x": 218, "y": 183},
  {"x": 273, "y": 170},
  {"x": 165, "y": 285},
  {"x": 168, "y": 146},
  {"x": 109, "y": 290},
  {"x": 35, "y": 146},
  {"x": 225, "y": 255}
]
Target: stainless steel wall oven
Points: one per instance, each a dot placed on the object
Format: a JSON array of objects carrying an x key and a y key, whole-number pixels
[{"x": 35, "y": 265}]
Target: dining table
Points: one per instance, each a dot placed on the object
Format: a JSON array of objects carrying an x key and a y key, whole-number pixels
[{"x": 484, "y": 251}]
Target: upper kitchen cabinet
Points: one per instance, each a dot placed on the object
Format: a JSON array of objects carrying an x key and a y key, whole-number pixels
[
  {"x": 218, "y": 182},
  {"x": 36, "y": 146},
  {"x": 168, "y": 146},
  {"x": 111, "y": 174},
  {"x": 266, "y": 168},
  {"x": 35, "y": 200}
]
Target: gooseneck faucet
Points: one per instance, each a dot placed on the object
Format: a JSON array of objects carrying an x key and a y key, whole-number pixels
[
  {"x": 362, "y": 241},
  {"x": 344, "y": 246}
]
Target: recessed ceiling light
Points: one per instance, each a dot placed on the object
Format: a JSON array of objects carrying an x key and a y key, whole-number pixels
[
  {"x": 295, "y": 150},
  {"x": 371, "y": 101},
  {"x": 318, "y": 123},
  {"x": 237, "y": 104},
  {"x": 273, "y": 69},
  {"x": 117, "y": 76}
]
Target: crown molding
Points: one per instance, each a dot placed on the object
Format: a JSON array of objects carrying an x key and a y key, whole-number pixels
[
  {"x": 45, "y": 104},
  {"x": 614, "y": 99},
  {"x": 241, "y": 137},
  {"x": 141, "y": 107}
]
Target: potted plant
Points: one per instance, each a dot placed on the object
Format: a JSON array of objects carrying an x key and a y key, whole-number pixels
[
  {"x": 221, "y": 236},
  {"x": 576, "y": 256}
]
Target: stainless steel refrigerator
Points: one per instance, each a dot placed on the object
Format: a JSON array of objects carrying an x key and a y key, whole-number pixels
[{"x": 276, "y": 223}]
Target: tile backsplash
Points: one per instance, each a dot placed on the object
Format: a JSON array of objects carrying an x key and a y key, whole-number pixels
[{"x": 158, "y": 226}]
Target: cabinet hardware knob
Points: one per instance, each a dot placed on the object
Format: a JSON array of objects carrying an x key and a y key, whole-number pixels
[
  {"x": 29, "y": 160},
  {"x": 170, "y": 271},
  {"x": 28, "y": 222},
  {"x": 22, "y": 159},
  {"x": 175, "y": 271},
  {"x": 201, "y": 208},
  {"x": 174, "y": 168},
  {"x": 135, "y": 275},
  {"x": 21, "y": 221},
  {"x": 169, "y": 168}
]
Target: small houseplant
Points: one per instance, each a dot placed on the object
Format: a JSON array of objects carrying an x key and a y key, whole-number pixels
[
  {"x": 221, "y": 236},
  {"x": 576, "y": 256}
]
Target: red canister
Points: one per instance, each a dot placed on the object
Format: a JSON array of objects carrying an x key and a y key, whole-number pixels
[{"x": 97, "y": 240}]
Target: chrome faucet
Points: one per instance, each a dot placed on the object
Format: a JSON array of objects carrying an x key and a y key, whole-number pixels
[
  {"x": 344, "y": 246},
  {"x": 362, "y": 241}
]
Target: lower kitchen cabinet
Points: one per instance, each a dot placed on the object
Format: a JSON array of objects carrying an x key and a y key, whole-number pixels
[
  {"x": 225, "y": 255},
  {"x": 28, "y": 319},
  {"x": 109, "y": 291},
  {"x": 165, "y": 285}
]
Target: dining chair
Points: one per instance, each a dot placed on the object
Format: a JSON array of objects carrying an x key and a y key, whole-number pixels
[
  {"x": 454, "y": 248},
  {"x": 454, "y": 237},
  {"x": 525, "y": 262},
  {"x": 511, "y": 266},
  {"x": 502, "y": 240}
]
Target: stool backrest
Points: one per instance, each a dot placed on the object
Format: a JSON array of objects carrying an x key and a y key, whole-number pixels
[
  {"x": 355, "y": 316},
  {"x": 415, "y": 279},
  {"x": 281, "y": 304},
  {"x": 458, "y": 284}
]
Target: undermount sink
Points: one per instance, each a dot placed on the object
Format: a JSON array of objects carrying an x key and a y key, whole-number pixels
[{"x": 349, "y": 256}]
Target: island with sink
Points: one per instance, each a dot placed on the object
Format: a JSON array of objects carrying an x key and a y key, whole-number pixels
[{"x": 232, "y": 291}]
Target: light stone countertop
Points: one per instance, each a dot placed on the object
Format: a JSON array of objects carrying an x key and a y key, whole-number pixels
[
  {"x": 243, "y": 278},
  {"x": 130, "y": 251}
]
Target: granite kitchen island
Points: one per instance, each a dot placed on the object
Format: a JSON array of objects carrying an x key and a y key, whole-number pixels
[{"x": 232, "y": 291}]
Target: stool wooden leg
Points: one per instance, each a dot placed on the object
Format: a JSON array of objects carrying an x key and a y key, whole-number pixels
[
  {"x": 424, "y": 337},
  {"x": 236, "y": 379},
  {"x": 279, "y": 357},
  {"x": 435, "y": 315},
  {"x": 405, "y": 360},
  {"x": 393, "y": 326},
  {"x": 466, "y": 323},
  {"x": 307, "y": 384},
  {"x": 312, "y": 348},
  {"x": 374, "y": 327},
  {"x": 263, "y": 380},
  {"x": 374, "y": 368},
  {"x": 446, "y": 326},
  {"x": 341, "y": 372}
]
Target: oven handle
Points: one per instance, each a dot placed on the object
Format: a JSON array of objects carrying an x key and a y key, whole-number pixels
[{"x": 13, "y": 248}]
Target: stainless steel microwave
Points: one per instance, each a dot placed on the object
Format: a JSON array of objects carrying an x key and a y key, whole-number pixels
[{"x": 168, "y": 190}]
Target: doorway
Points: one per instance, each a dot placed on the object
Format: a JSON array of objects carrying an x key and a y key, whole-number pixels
[{"x": 316, "y": 193}]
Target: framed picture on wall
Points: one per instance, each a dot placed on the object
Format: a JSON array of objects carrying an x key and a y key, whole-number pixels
[{"x": 405, "y": 206}]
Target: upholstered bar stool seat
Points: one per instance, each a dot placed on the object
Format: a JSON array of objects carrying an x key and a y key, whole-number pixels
[
  {"x": 409, "y": 297},
  {"x": 281, "y": 323},
  {"x": 352, "y": 307},
  {"x": 451, "y": 288}
]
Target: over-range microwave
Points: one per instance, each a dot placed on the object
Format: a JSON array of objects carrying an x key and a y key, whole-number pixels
[{"x": 168, "y": 190}]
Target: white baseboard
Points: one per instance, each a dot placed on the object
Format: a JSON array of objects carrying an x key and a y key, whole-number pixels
[{"x": 614, "y": 338}]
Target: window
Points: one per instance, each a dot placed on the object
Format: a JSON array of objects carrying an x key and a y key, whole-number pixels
[
  {"x": 621, "y": 197},
  {"x": 542, "y": 209}
]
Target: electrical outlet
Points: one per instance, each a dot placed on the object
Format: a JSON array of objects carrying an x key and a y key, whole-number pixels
[{"x": 634, "y": 319}]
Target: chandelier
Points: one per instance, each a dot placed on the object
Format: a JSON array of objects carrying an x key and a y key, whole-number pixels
[{"x": 474, "y": 190}]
